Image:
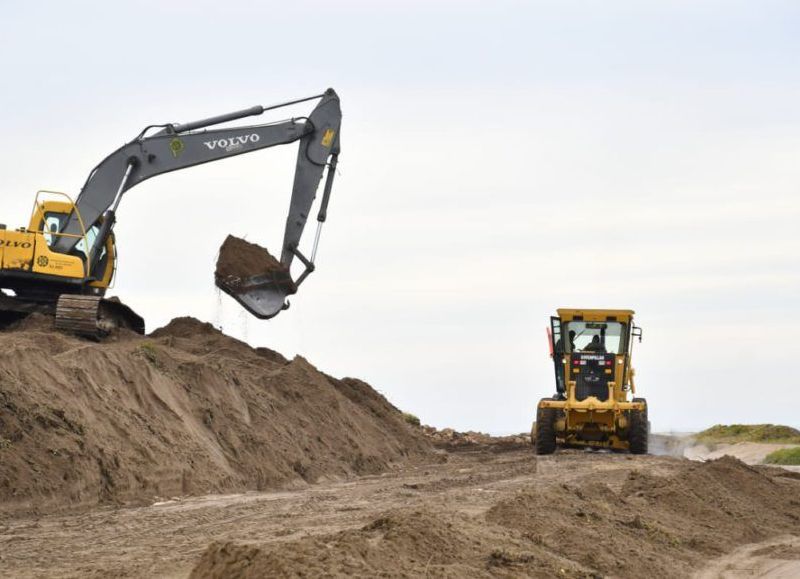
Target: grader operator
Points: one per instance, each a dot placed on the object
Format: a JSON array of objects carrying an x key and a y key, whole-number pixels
[
  {"x": 591, "y": 351},
  {"x": 65, "y": 260}
]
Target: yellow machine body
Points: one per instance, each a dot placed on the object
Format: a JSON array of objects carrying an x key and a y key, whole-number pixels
[
  {"x": 595, "y": 383},
  {"x": 28, "y": 250}
]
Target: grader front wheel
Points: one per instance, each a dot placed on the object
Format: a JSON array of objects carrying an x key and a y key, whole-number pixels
[
  {"x": 544, "y": 433},
  {"x": 639, "y": 429}
]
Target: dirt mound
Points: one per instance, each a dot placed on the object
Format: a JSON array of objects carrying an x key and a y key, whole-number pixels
[
  {"x": 452, "y": 440},
  {"x": 240, "y": 260},
  {"x": 186, "y": 410},
  {"x": 34, "y": 322},
  {"x": 663, "y": 526},
  {"x": 412, "y": 543},
  {"x": 187, "y": 327},
  {"x": 644, "y": 525}
]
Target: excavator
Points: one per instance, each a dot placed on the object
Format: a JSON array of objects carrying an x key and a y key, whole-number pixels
[{"x": 65, "y": 260}]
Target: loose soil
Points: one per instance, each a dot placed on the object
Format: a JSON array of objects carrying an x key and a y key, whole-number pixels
[
  {"x": 777, "y": 558},
  {"x": 185, "y": 411},
  {"x": 476, "y": 513},
  {"x": 114, "y": 455},
  {"x": 580, "y": 517},
  {"x": 452, "y": 440},
  {"x": 240, "y": 260}
]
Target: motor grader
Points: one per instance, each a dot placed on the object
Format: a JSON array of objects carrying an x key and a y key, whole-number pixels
[{"x": 591, "y": 351}]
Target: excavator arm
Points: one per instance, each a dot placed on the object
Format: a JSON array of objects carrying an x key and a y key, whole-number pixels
[{"x": 180, "y": 146}]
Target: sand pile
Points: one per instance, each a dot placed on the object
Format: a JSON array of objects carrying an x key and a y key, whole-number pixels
[
  {"x": 662, "y": 527},
  {"x": 412, "y": 543},
  {"x": 643, "y": 526},
  {"x": 186, "y": 410},
  {"x": 240, "y": 260}
]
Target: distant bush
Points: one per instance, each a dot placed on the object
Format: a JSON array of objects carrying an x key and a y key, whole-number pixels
[
  {"x": 784, "y": 456},
  {"x": 411, "y": 419},
  {"x": 774, "y": 433}
]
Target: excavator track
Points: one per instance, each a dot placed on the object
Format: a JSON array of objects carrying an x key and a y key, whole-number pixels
[
  {"x": 79, "y": 314},
  {"x": 94, "y": 317}
]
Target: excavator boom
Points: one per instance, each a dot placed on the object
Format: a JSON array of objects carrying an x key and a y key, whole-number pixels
[{"x": 179, "y": 146}]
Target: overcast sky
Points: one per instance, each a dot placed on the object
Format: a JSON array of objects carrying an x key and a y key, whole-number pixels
[{"x": 499, "y": 160}]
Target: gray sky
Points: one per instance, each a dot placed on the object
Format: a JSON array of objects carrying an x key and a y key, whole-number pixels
[{"x": 500, "y": 159}]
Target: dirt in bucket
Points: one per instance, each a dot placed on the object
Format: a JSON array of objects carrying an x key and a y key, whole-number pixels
[{"x": 240, "y": 260}]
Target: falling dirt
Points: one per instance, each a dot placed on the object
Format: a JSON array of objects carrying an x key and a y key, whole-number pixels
[{"x": 240, "y": 260}]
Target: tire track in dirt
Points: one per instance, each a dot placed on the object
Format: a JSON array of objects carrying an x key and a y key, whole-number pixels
[{"x": 168, "y": 539}]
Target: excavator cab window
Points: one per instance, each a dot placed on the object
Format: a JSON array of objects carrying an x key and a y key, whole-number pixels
[
  {"x": 81, "y": 249},
  {"x": 52, "y": 224},
  {"x": 91, "y": 235}
]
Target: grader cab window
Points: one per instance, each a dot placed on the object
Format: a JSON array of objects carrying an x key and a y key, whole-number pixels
[{"x": 604, "y": 337}]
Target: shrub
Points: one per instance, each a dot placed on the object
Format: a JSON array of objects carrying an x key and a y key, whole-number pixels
[
  {"x": 775, "y": 433},
  {"x": 411, "y": 419},
  {"x": 150, "y": 353},
  {"x": 788, "y": 456}
]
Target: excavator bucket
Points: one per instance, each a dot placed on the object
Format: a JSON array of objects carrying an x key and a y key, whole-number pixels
[
  {"x": 247, "y": 272},
  {"x": 264, "y": 296},
  {"x": 255, "y": 279}
]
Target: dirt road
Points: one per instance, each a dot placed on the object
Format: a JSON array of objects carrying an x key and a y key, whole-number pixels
[
  {"x": 777, "y": 558},
  {"x": 468, "y": 490},
  {"x": 90, "y": 433}
]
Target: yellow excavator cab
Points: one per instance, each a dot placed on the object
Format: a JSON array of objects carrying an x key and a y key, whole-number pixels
[
  {"x": 47, "y": 219},
  {"x": 27, "y": 251},
  {"x": 594, "y": 404},
  {"x": 47, "y": 281}
]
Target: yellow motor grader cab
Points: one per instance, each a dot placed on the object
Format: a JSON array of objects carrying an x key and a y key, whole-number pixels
[{"x": 591, "y": 351}]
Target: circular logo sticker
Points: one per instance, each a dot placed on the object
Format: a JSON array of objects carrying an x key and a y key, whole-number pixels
[
  {"x": 176, "y": 146},
  {"x": 42, "y": 261}
]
